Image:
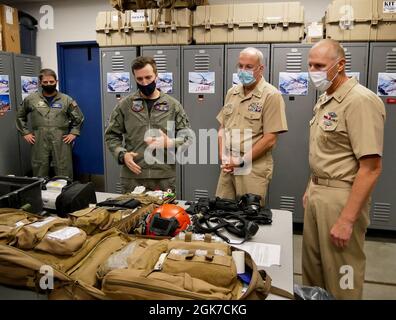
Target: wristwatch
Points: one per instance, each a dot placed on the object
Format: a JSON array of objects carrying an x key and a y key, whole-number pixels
[{"x": 121, "y": 156}]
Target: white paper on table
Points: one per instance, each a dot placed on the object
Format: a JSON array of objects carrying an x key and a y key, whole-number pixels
[{"x": 263, "y": 254}]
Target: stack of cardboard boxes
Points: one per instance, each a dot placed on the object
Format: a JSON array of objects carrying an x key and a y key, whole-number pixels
[
  {"x": 144, "y": 27},
  {"x": 9, "y": 22},
  {"x": 249, "y": 23},
  {"x": 228, "y": 23},
  {"x": 361, "y": 20}
]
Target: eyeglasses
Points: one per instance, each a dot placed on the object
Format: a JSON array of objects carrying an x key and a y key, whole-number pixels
[{"x": 52, "y": 82}]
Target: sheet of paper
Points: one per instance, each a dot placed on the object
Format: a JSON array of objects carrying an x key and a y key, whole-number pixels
[{"x": 265, "y": 255}]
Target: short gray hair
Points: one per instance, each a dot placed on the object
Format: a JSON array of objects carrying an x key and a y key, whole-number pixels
[{"x": 255, "y": 52}]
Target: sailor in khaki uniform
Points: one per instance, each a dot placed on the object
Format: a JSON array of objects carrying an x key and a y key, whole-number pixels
[
  {"x": 142, "y": 120},
  {"x": 345, "y": 150},
  {"x": 252, "y": 116}
]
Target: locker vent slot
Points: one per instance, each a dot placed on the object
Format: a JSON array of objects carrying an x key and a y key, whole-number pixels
[
  {"x": 287, "y": 203},
  {"x": 294, "y": 62},
  {"x": 201, "y": 62},
  {"x": 391, "y": 62},
  {"x": 160, "y": 60},
  {"x": 381, "y": 212},
  {"x": 118, "y": 187},
  {"x": 1, "y": 66},
  {"x": 117, "y": 63},
  {"x": 28, "y": 68},
  {"x": 348, "y": 64},
  {"x": 200, "y": 194}
]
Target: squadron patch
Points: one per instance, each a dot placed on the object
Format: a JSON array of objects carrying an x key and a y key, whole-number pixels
[
  {"x": 255, "y": 107},
  {"x": 161, "y": 106},
  {"x": 137, "y": 105}
]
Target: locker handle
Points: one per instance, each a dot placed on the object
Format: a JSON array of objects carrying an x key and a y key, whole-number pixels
[{"x": 391, "y": 100}]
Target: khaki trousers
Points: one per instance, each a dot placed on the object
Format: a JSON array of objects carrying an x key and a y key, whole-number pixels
[
  {"x": 232, "y": 186},
  {"x": 339, "y": 271}
]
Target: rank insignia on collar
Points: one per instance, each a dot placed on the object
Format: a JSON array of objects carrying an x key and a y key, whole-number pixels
[
  {"x": 255, "y": 107},
  {"x": 137, "y": 105},
  {"x": 161, "y": 106}
]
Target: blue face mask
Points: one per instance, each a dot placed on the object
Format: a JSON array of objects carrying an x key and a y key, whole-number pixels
[{"x": 246, "y": 77}]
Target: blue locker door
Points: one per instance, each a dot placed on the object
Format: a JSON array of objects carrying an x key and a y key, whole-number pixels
[{"x": 79, "y": 77}]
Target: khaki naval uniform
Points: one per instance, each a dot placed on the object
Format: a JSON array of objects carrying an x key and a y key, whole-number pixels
[
  {"x": 49, "y": 124},
  {"x": 346, "y": 126},
  {"x": 262, "y": 111},
  {"x": 129, "y": 122}
]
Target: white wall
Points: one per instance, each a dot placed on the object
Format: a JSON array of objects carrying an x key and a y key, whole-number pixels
[{"x": 74, "y": 20}]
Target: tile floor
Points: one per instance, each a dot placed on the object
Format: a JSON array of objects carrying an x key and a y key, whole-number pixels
[{"x": 380, "y": 280}]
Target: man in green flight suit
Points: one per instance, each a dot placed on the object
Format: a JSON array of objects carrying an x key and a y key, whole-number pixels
[
  {"x": 56, "y": 121},
  {"x": 149, "y": 122}
]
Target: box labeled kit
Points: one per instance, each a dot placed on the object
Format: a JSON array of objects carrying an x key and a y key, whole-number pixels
[{"x": 361, "y": 20}]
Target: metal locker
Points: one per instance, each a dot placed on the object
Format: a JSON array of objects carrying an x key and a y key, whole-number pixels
[
  {"x": 356, "y": 56},
  {"x": 9, "y": 160},
  {"x": 291, "y": 167},
  {"x": 231, "y": 59},
  {"x": 382, "y": 80},
  {"x": 24, "y": 66},
  {"x": 205, "y": 64},
  {"x": 168, "y": 63},
  {"x": 113, "y": 61}
]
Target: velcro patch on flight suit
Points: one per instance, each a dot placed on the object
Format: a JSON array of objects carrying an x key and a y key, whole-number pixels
[
  {"x": 255, "y": 107},
  {"x": 56, "y": 106},
  {"x": 137, "y": 105},
  {"x": 161, "y": 106},
  {"x": 74, "y": 104}
]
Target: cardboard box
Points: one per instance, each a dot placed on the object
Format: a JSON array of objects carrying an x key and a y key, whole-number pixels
[
  {"x": 144, "y": 27},
  {"x": 253, "y": 22},
  {"x": 10, "y": 29},
  {"x": 361, "y": 20}
]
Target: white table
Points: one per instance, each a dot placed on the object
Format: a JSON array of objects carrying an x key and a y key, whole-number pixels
[{"x": 280, "y": 232}]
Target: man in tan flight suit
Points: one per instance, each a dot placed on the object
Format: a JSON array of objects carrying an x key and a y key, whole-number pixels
[
  {"x": 147, "y": 120},
  {"x": 254, "y": 105},
  {"x": 56, "y": 122},
  {"x": 345, "y": 150}
]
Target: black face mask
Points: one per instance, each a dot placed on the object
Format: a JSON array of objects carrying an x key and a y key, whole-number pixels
[
  {"x": 49, "y": 89},
  {"x": 148, "y": 89}
]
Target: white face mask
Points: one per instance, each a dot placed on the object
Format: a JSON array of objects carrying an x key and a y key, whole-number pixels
[{"x": 319, "y": 79}]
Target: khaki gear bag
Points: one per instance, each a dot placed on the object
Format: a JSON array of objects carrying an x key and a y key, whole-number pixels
[
  {"x": 28, "y": 236},
  {"x": 172, "y": 269},
  {"x": 63, "y": 241},
  {"x": 11, "y": 220},
  {"x": 99, "y": 219},
  {"x": 74, "y": 276}
]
